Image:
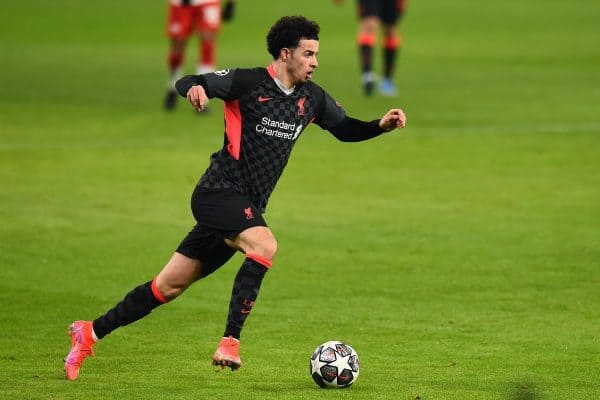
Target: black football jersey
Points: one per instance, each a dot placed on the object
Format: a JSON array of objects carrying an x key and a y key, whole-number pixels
[{"x": 262, "y": 124}]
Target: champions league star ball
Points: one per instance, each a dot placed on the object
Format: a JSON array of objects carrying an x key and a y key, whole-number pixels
[{"x": 334, "y": 364}]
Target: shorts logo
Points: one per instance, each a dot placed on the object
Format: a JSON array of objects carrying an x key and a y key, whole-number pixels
[
  {"x": 248, "y": 212},
  {"x": 222, "y": 72},
  {"x": 175, "y": 28}
]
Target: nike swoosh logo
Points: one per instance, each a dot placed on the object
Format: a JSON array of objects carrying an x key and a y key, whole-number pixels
[{"x": 262, "y": 99}]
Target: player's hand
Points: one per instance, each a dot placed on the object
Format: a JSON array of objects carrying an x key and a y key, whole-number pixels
[
  {"x": 228, "y": 10},
  {"x": 197, "y": 97},
  {"x": 395, "y": 118}
]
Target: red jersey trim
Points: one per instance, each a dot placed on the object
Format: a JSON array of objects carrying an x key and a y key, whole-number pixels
[
  {"x": 271, "y": 71},
  {"x": 233, "y": 128}
]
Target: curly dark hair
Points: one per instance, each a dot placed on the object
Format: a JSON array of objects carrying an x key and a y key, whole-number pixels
[{"x": 288, "y": 31}]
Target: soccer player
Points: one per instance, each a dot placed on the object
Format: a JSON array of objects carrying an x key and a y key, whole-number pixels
[
  {"x": 266, "y": 110},
  {"x": 186, "y": 17},
  {"x": 374, "y": 13}
]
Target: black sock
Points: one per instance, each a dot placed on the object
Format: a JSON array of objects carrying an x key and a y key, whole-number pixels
[
  {"x": 389, "y": 62},
  {"x": 366, "y": 58},
  {"x": 246, "y": 286},
  {"x": 135, "y": 305}
]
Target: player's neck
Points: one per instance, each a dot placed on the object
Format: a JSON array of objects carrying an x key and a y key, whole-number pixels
[{"x": 282, "y": 75}]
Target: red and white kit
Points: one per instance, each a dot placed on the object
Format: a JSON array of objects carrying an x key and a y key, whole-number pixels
[{"x": 187, "y": 17}]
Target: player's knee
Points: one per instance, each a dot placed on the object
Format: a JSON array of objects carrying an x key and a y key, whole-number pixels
[
  {"x": 257, "y": 241},
  {"x": 272, "y": 250},
  {"x": 169, "y": 289},
  {"x": 179, "y": 273},
  {"x": 170, "y": 292},
  {"x": 366, "y": 39},
  {"x": 269, "y": 249},
  {"x": 392, "y": 41},
  {"x": 266, "y": 249}
]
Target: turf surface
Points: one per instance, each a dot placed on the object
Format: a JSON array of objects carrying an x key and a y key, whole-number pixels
[{"x": 459, "y": 257}]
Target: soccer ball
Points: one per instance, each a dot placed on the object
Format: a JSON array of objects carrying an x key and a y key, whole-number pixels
[{"x": 334, "y": 364}]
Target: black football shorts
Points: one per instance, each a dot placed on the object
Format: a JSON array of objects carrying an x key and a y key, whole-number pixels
[
  {"x": 219, "y": 214},
  {"x": 389, "y": 11}
]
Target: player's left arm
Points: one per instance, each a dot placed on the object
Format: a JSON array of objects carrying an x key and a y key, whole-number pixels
[
  {"x": 393, "y": 119},
  {"x": 355, "y": 130},
  {"x": 332, "y": 117}
]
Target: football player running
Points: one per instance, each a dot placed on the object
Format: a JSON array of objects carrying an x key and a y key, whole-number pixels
[{"x": 266, "y": 111}]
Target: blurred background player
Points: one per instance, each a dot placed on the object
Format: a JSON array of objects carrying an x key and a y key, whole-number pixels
[
  {"x": 185, "y": 18},
  {"x": 375, "y": 13}
]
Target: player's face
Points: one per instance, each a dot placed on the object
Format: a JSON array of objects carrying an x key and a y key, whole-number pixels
[{"x": 303, "y": 61}]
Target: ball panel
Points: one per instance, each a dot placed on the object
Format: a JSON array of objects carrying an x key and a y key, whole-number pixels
[
  {"x": 343, "y": 350},
  {"x": 318, "y": 380},
  {"x": 353, "y": 363},
  {"x": 345, "y": 378},
  {"x": 327, "y": 355},
  {"x": 316, "y": 353},
  {"x": 328, "y": 372}
]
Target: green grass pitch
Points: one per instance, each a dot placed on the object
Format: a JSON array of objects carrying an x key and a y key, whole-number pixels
[{"x": 460, "y": 257}]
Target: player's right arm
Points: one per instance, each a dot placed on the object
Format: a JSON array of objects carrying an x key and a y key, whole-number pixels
[
  {"x": 195, "y": 88},
  {"x": 197, "y": 97},
  {"x": 225, "y": 84},
  {"x": 199, "y": 88}
]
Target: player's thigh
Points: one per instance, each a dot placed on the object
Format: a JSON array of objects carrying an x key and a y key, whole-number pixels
[
  {"x": 256, "y": 240},
  {"x": 208, "y": 247},
  {"x": 226, "y": 211},
  {"x": 179, "y": 273},
  {"x": 222, "y": 215},
  {"x": 237, "y": 218},
  {"x": 368, "y": 8},
  {"x": 209, "y": 17},
  {"x": 179, "y": 22},
  {"x": 391, "y": 11}
]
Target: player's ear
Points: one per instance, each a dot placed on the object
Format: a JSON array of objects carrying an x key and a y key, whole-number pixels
[{"x": 285, "y": 54}]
